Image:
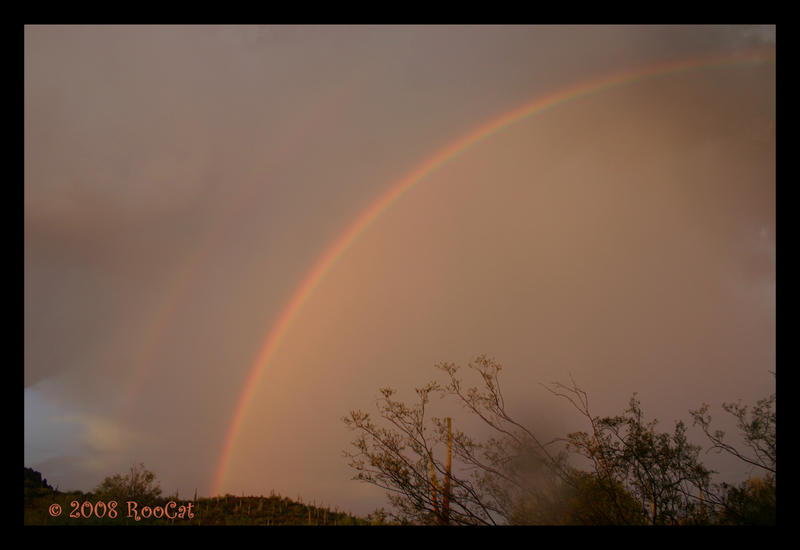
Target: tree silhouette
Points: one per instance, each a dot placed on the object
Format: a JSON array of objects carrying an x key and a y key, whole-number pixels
[
  {"x": 636, "y": 473},
  {"x": 752, "y": 502},
  {"x": 139, "y": 485},
  {"x": 488, "y": 479},
  {"x": 661, "y": 470}
]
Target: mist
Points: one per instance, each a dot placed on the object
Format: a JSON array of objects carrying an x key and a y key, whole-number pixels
[{"x": 180, "y": 182}]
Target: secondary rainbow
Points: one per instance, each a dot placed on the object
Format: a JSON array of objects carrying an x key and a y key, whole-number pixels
[
  {"x": 178, "y": 288},
  {"x": 368, "y": 216}
]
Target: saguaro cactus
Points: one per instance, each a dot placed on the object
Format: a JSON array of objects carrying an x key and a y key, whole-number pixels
[{"x": 441, "y": 505}]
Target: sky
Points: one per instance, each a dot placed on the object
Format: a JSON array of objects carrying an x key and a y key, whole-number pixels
[{"x": 214, "y": 275}]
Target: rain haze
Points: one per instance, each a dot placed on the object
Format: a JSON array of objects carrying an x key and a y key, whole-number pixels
[{"x": 183, "y": 183}]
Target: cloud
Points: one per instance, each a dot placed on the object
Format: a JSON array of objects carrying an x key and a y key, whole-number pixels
[
  {"x": 181, "y": 181},
  {"x": 764, "y": 34},
  {"x": 75, "y": 445}
]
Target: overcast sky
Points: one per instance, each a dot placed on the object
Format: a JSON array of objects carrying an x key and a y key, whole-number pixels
[{"x": 180, "y": 183}]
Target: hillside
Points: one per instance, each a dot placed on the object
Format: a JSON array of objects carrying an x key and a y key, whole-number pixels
[{"x": 75, "y": 506}]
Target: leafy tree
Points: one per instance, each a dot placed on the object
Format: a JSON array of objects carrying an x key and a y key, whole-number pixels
[
  {"x": 757, "y": 429},
  {"x": 378, "y": 517},
  {"x": 661, "y": 471},
  {"x": 752, "y": 502},
  {"x": 488, "y": 480},
  {"x": 35, "y": 484},
  {"x": 636, "y": 474},
  {"x": 586, "y": 500},
  {"x": 595, "y": 501},
  {"x": 402, "y": 461},
  {"x": 139, "y": 485}
]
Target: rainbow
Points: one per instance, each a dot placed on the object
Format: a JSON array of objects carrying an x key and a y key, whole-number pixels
[
  {"x": 178, "y": 286},
  {"x": 451, "y": 151}
]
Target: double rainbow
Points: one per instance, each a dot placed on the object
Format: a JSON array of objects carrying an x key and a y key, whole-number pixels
[{"x": 371, "y": 213}]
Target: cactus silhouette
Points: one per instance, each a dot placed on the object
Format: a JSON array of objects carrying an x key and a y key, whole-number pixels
[{"x": 441, "y": 505}]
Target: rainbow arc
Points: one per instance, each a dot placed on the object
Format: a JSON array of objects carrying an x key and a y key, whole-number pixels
[{"x": 368, "y": 216}]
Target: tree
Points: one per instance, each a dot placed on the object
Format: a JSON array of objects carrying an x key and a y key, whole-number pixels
[
  {"x": 661, "y": 471},
  {"x": 488, "y": 480},
  {"x": 601, "y": 502},
  {"x": 757, "y": 429},
  {"x": 402, "y": 461},
  {"x": 752, "y": 502},
  {"x": 139, "y": 485},
  {"x": 636, "y": 474}
]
